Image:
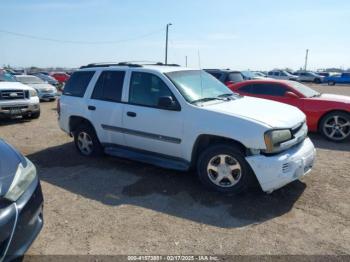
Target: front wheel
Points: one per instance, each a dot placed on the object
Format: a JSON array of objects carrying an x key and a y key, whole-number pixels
[
  {"x": 224, "y": 169},
  {"x": 317, "y": 81},
  {"x": 336, "y": 126}
]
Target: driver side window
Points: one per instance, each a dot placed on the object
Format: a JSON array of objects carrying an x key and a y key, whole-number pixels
[{"x": 146, "y": 89}]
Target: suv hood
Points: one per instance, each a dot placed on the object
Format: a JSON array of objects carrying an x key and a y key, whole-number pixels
[
  {"x": 14, "y": 86},
  {"x": 9, "y": 161},
  {"x": 271, "y": 113}
]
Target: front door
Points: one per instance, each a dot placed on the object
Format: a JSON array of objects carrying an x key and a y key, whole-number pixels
[{"x": 146, "y": 125}]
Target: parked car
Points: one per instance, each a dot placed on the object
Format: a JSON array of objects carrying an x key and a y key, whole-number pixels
[
  {"x": 45, "y": 91},
  {"x": 17, "y": 99},
  {"x": 179, "y": 118},
  {"x": 250, "y": 75},
  {"x": 307, "y": 76},
  {"x": 226, "y": 76},
  {"x": 21, "y": 203},
  {"x": 47, "y": 78},
  {"x": 343, "y": 78},
  {"x": 282, "y": 75},
  {"x": 61, "y": 77},
  {"x": 326, "y": 113}
]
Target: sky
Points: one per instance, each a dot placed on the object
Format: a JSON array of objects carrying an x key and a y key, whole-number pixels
[{"x": 236, "y": 34}]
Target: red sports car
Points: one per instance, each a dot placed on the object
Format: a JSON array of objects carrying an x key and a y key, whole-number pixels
[
  {"x": 326, "y": 113},
  {"x": 61, "y": 77}
]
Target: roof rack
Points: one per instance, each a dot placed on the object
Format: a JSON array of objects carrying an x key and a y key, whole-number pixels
[{"x": 129, "y": 64}]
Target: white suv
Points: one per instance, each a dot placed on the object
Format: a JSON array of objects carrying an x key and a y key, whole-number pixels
[
  {"x": 17, "y": 99},
  {"x": 179, "y": 118}
]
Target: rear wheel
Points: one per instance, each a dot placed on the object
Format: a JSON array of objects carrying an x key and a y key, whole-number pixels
[
  {"x": 336, "y": 126},
  {"x": 86, "y": 141},
  {"x": 224, "y": 169}
]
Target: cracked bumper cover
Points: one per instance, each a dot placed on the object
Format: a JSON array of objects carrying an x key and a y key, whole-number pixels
[{"x": 275, "y": 171}]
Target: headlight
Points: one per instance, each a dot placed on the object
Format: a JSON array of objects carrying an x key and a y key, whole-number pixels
[
  {"x": 33, "y": 93},
  {"x": 23, "y": 178},
  {"x": 274, "y": 138}
]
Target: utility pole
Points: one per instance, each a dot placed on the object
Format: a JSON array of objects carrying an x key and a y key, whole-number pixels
[
  {"x": 166, "y": 43},
  {"x": 306, "y": 57},
  {"x": 186, "y": 61}
]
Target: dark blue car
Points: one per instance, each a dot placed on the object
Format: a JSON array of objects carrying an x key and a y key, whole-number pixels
[
  {"x": 21, "y": 203},
  {"x": 343, "y": 78}
]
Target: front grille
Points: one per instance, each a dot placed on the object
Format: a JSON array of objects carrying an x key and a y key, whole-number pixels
[
  {"x": 13, "y": 107},
  {"x": 286, "y": 168},
  {"x": 13, "y": 94},
  {"x": 297, "y": 129}
]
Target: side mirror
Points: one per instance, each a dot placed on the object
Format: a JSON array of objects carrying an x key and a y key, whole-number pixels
[
  {"x": 167, "y": 102},
  {"x": 291, "y": 95}
]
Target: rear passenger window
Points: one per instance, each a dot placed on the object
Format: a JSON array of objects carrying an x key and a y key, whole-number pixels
[
  {"x": 77, "y": 83},
  {"x": 235, "y": 77},
  {"x": 109, "y": 86}
]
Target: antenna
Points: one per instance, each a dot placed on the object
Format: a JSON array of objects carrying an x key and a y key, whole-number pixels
[{"x": 200, "y": 72}]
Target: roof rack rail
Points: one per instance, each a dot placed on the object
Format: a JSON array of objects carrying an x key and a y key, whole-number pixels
[
  {"x": 130, "y": 64},
  {"x": 110, "y": 64}
]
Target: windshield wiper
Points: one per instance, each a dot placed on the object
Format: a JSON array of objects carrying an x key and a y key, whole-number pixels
[{"x": 206, "y": 99}]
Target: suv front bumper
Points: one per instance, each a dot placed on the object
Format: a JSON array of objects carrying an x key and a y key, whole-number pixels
[
  {"x": 12, "y": 108},
  {"x": 275, "y": 171}
]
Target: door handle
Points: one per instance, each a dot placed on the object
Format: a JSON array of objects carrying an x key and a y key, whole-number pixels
[
  {"x": 92, "y": 108},
  {"x": 131, "y": 114}
]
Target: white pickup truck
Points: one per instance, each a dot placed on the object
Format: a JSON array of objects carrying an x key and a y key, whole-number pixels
[
  {"x": 17, "y": 99},
  {"x": 179, "y": 118}
]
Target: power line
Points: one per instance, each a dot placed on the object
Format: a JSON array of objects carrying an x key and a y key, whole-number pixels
[{"x": 80, "y": 42}]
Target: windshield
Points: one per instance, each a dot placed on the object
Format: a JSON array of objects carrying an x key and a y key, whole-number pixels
[
  {"x": 6, "y": 77},
  {"x": 197, "y": 85},
  {"x": 30, "y": 80},
  {"x": 303, "y": 89}
]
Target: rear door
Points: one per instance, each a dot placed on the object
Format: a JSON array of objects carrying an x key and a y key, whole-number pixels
[
  {"x": 105, "y": 107},
  {"x": 147, "y": 126}
]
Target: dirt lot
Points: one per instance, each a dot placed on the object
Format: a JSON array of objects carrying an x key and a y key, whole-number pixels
[{"x": 114, "y": 206}]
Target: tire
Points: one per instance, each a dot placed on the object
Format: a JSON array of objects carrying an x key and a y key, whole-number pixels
[
  {"x": 226, "y": 158},
  {"x": 317, "y": 81},
  {"x": 35, "y": 115},
  {"x": 331, "y": 83},
  {"x": 335, "y": 126},
  {"x": 86, "y": 141}
]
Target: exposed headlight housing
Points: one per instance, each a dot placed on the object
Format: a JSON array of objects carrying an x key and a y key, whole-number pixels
[
  {"x": 33, "y": 93},
  {"x": 274, "y": 138},
  {"x": 22, "y": 180}
]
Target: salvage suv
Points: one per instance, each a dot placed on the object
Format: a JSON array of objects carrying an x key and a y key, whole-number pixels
[
  {"x": 17, "y": 99},
  {"x": 178, "y": 118}
]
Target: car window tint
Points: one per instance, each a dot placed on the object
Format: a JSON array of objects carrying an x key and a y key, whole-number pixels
[
  {"x": 235, "y": 77},
  {"x": 216, "y": 75},
  {"x": 77, "y": 83},
  {"x": 276, "y": 73},
  {"x": 270, "y": 73},
  {"x": 264, "y": 89},
  {"x": 146, "y": 89},
  {"x": 109, "y": 86}
]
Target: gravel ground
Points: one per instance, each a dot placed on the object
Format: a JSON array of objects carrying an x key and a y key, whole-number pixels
[{"x": 113, "y": 206}]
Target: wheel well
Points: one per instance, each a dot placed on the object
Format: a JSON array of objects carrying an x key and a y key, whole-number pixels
[
  {"x": 327, "y": 113},
  {"x": 75, "y": 121},
  {"x": 203, "y": 141}
]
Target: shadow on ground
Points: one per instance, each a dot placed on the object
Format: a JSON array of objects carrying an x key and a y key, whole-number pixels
[
  {"x": 114, "y": 181},
  {"x": 322, "y": 143},
  {"x": 13, "y": 121}
]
